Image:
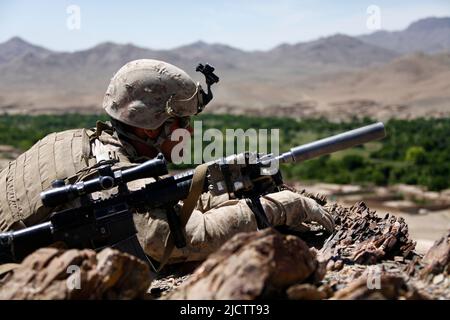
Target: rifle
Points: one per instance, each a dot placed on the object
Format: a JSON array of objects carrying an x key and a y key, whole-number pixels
[{"x": 109, "y": 222}]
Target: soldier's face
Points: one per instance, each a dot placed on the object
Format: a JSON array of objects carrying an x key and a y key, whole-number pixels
[
  {"x": 151, "y": 133},
  {"x": 166, "y": 146}
]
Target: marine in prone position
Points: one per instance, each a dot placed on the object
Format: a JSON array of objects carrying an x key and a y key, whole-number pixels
[{"x": 147, "y": 100}]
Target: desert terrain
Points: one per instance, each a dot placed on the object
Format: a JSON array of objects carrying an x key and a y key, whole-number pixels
[
  {"x": 401, "y": 74},
  {"x": 426, "y": 222}
]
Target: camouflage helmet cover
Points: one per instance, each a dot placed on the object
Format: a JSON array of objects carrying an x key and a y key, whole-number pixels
[{"x": 145, "y": 93}]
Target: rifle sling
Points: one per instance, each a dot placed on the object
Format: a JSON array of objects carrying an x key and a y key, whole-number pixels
[
  {"x": 196, "y": 189},
  {"x": 255, "y": 205}
]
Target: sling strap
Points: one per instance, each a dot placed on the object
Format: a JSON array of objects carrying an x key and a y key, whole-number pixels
[{"x": 196, "y": 189}]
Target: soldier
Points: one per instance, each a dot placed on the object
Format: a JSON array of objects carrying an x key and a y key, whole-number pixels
[{"x": 146, "y": 100}]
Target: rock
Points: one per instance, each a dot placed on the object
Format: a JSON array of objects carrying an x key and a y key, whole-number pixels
[
  {"x": 338, "y": 265},
  {"x": 438, "y": 279},
  {"x": 252, "y": 265},
  {"x": 363, "y": 237},
  {"x": 386, "y": 287},
  {"x": 413, "y": 266},
  {"x": 51, "y": 273},
  {"x": 305, "y": 291},
  {"x": 437, "y": 259}
]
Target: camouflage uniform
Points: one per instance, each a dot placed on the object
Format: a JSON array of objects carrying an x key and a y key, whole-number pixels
[{"x": 69, "y": 154}]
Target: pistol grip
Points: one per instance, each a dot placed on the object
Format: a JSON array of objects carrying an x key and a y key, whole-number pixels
[{"x": 175, "y": 227}]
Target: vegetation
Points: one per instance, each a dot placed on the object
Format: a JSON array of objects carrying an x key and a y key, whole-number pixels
[
  {"x": 22, "y": 131},
  {"x": 414, "y": 152}
]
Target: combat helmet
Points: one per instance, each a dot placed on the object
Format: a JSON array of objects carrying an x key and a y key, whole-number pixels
[{"x": 145, "y": 93}]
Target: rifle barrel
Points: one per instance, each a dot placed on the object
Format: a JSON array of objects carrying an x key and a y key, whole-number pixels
[{"x": 334, "y": 143}]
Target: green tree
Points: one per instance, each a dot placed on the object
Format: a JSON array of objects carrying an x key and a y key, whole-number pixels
[
  {"x": 416, "y": 155},
  {"x": 352, "y": 162}
]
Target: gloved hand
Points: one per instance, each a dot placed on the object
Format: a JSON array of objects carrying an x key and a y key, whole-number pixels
[
  {"x": 296, "y": 209},
  {"x": 316, "y": 213}
]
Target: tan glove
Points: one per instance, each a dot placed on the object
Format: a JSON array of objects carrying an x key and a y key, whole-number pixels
[
  {"x": 316, "y": 213},
  {"x": 293, "y": 209}
]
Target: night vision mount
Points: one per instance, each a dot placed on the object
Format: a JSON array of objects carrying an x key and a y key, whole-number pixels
[{"x": 210, "y": 78}]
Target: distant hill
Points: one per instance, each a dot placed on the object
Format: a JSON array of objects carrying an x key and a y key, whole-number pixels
[
  {"x": 337, "y": 50},
  {"x": 430, "y": 35},
  {"x": 16, "y": 48},
  {"x": 410, "y": 86},
  {"x": 319, "y": 75}
]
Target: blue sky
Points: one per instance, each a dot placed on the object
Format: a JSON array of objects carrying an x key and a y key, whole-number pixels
[{"x": 246, "y": 24}]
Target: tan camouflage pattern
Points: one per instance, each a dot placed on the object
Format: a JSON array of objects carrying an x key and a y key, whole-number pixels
[
  {"x": 57, "y": 156},
  {"x": 145, "y": 93},
  {"x": 217, "y": 219},
  {"x": 64, "y": 155}
]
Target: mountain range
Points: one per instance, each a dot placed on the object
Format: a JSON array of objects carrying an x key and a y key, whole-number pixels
[{"x": 401, "y": 73}]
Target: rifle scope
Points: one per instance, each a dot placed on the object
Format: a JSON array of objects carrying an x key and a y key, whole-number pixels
[{"x": 106, "y": 180}]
